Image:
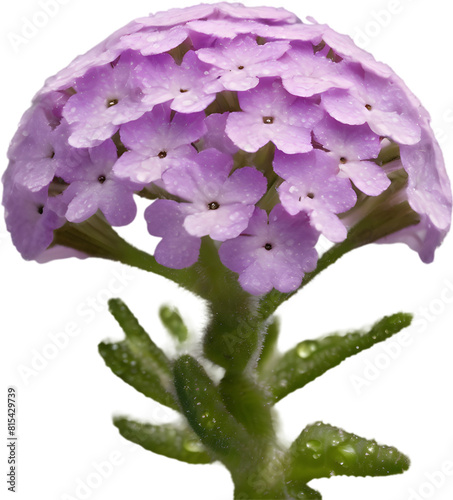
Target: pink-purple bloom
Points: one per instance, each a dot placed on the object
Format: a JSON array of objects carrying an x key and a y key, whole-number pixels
[
  {"x": 242, "y": 60},
  {"x": 153, "y": 41},
  {"x": 156, "y": 142},
  {"x": 216, "y": 203},
  {"x": 304, "y": 75},
  {"x": 40, "y": 151},
  {"x": 93, "y": 186},
  {"x": 106, "y": 96},
  {"x": 273, "y": 252},
  {"x": 189, "y": 87},
  {"x": 250, "y": 127},
  {"x": 313, "y": 186},
  {"x": 270, "y": 113},
  {"x": 355, "y": 150},
  {"x": 376, "y": 101},
  {"x": 177, "y": 248},
  {"x": 216, "y": 136}
]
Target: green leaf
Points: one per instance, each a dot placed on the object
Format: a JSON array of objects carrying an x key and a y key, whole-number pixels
[
  {"x": 137, "y": 360},
  {"x": 311, "y": 358},
  {"x": 248, "y": 403},
  {"x": 173, "y": 322},
  {"x": 322, "y": 450},
  {"x": 206, "y": 413},
  {"x": 168, "y": 440},
  {"x": 302, "y": 491}
]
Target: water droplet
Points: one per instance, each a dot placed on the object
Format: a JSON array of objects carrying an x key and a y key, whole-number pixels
[
  {"x": 346, "y": 455},
  {"x": 234, "y": 216},
  {"x": 314, "y": 445},
  {"x": 193, "y": 446},
  {"x": 306, "y": 349},
  {"x": 371, "y": 448}
]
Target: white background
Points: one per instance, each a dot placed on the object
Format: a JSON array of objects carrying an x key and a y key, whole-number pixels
[{"x": 65, "y": 405}]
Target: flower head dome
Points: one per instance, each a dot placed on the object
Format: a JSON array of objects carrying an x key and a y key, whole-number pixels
[{"x": 247, "y": 125}]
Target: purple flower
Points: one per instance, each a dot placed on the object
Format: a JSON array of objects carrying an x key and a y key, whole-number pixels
[
  {"x": 274, "y": 253},
  {"x": 39, "y": 151},
  {"x": 177, "y": 249},
  {"x": 185, "y": 98},
  {"x": 215, "y": 136},
  {"x": 190, "y": 87},
  {"x": 152, "y": 42},
  {"x": 156, "y": 142},
  {"x": 428, "y": 186},
  {"x": 269, "y": 113},
  {"x": 106, "y": 97},
  {"x": 428, "y": 193},
  {"x": 29, "y": 220},
  {"x": 374, "y": 100},
  {"x": 313, "y": 186},
  {"x": 93, "y": 186},
  {"x": 305, "y": 74},
  {"x": 243, "y": 61},
  {"x": 352, "y": 146},
  {"x": 217, "y": 204}
]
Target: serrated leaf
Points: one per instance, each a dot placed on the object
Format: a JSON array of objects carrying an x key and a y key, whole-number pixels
[
  {"x": 179, "y": 443},
  {"x": 206, "y": 413},
  {"x": 311, "y": 358},
  {"x": 137, "y": 359},
  {"x": 322, "y": 450},
  {"x": 173, "y": 322}
]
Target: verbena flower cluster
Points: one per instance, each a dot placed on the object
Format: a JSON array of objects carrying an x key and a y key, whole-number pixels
[{"x": 240, "y": 124}]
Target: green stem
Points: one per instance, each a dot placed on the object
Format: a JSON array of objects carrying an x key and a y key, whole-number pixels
[
  {"x": 264, "y": 479},
  {"x": 233, "y": 334}
]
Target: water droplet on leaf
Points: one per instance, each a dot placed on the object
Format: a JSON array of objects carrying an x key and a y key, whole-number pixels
[{"x": 306, "y": 349}]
